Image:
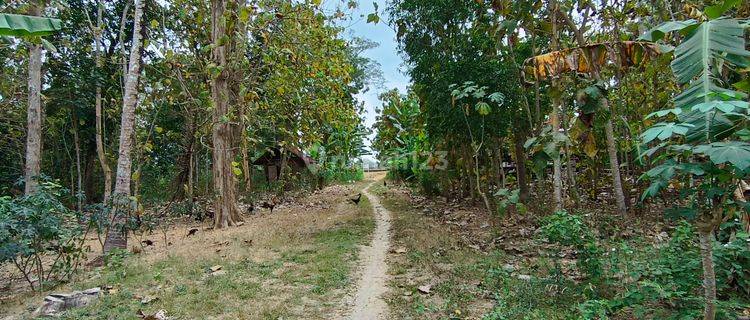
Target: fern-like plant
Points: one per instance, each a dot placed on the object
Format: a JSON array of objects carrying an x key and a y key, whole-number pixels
[{"x": 703, "y": 152}]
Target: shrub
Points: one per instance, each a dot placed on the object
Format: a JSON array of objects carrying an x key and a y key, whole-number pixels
[
  {"x": 569, "y": 230},
  {"x": 40, "y": 236}
]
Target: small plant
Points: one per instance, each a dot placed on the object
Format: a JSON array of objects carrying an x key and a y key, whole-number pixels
[
  {"x": 40, "y": 236},
  {"x": 569, "y": 230}
]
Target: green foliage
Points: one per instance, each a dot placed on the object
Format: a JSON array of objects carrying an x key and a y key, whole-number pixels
[
  {"x": 16, "y": 25},
  {"x": 703, "y": 144},
  {"x": 569, "y": 230},
  {"x": 36, "y": 228}
]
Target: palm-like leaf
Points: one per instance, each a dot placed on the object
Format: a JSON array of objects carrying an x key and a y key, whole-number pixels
[
  {"x": 696, "y": 60},
  {"x": 24, "y": 26}
]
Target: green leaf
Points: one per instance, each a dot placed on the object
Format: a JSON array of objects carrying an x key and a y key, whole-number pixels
[
  {"x": 664, "y": 131},
  {"x": 734, "y": 152},
  {"x": 373, "y": 18},
  {"x": 662, "y": 113},
  {"x": 482, "y": 108},
  {"x": 710, "y": 44},
  {"x": 723, "y": 106},
  {"x": 660, "y": 31},
  {"x": 24, "y": 26},
  {"x": 715, "y": 11}
]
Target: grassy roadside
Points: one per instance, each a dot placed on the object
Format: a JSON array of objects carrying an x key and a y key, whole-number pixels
[
  {"x": 293, "y": 264},
  {"x": 464, "y": 283}
]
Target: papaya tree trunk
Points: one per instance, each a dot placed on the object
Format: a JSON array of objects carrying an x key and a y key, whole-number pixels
[
  {"x": 117, "y": 236},
  {"x": 34, "y": 111},
  {"x": 709, "y": 276}
]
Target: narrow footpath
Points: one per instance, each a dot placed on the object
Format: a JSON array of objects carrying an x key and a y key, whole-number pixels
[{"x": 368, "y": 302}]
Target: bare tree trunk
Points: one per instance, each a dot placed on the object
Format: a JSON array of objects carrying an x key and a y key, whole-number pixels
[
  {"x": 77, "y": 144},
  {"x": 557, "y": 171},
  {"x": 117, "y": 237},
  {"x": 34, "y": 112},
  {"x": 709, "y": 276},
  {"x": 614, "y": 163},
  {"x": 225, "y": 205},
  {"x": 523, "y": 184},
  {"x": 106, "y": 170}
]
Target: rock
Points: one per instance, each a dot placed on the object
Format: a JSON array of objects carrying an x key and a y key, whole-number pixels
[
  {"x": 509, "y": 267},
  {"x": 399, "y": 250},
  {"x": 426, "y": 289},
  {"x": 57, "y": 303},
  {"x": 148, "y": 299},
  {"x": 524, "y": 277}
]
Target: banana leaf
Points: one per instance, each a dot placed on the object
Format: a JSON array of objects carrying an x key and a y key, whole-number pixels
[
  {"x": 24, "y": 26},
  {"x": 620, "y": 54}
]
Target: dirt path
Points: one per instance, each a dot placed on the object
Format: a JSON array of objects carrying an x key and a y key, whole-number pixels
[{"x": 368, "y": 302}]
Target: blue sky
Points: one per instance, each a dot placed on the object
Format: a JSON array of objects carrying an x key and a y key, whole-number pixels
[{"x": 386, "y": 54}]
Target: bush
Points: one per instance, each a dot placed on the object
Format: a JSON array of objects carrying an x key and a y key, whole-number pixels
[
  {"x": 40, "y": 236},
  {"x": 569, "y": 230},
  {"x": 668, "y": 280}
]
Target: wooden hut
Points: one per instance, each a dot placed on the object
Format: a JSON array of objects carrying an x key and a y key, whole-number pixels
[{"x": 297, "y": 162}]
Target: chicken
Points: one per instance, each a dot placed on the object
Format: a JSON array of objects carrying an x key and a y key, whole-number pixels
[
  {"x": 147, "y": 242},
  {"x": 251, "y": 208},
  {"x": 270, "y": 205},
  {"x": 357, "y": 199},
  {"x": 385, "y": 184},
  {"x": 192, "y": 232}
]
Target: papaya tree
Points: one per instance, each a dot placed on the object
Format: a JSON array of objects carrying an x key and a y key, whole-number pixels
[{"x": 701, "y": 150}]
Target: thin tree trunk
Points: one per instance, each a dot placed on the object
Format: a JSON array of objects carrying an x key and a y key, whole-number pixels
[
  {"x": 614, "y": 163},
  {"x": 554, "y": 119},
  {"x": 709, "y": 276},
  {"x": 225, "y": 205},
  {"x": 77, "y": 144},
  {"x": 117, "y": 236},
  {"x": 106, "y": 170},
  {"x": 34, "y": 112},
  {"x": 523, "y": 184}
]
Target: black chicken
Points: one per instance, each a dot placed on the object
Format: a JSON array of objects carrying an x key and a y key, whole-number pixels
[
  {"x": 251, "y": 208},
  {"x": 385, "y": 184},
  {"x": 192, "y": 232},
  {"x": 357, "y": 199},
  {"x": 147, "y": 242},
  {"x": 268, "y": 205}
]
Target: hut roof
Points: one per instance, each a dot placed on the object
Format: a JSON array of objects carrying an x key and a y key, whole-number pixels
[{"x": 272, "y": 156}]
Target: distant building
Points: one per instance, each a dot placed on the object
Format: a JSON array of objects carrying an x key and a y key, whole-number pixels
[{"x": 271, "y": 160}]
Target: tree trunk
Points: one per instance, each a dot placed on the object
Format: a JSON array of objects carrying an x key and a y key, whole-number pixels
[
  {"x": 226, "y": 212},
  {"x": 77, "y": 144},
  {"x": 554, "y": 119},
  {"x": 34, "y": 112},
  {"x": 709, "y": 276},
  {"x": 523, "y": 184},
  {"x": 117, "y": 236},
  {"x": 106, "y": 170},
  {"x": 614, "y": 163}
]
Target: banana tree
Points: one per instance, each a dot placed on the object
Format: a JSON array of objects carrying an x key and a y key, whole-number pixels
[
  {"x": 703, "y": 138},
  {"x": 589, "y": 60}
]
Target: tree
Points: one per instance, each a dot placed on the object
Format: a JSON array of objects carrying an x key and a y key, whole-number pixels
[
  {"x": 34, "y": 111},
  {"x": 117, "y": 237},
  {"x": 704, "y": 138},
  {"x": 226, "y": 212}
]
